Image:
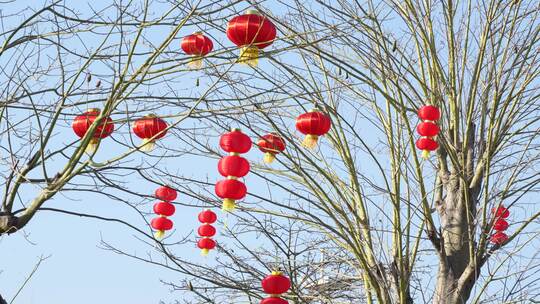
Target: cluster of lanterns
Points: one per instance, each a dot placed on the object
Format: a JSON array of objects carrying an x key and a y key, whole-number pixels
[
  {"x": 206, "y": 231},
  {"x": 149, "y": 128},
  {"x": 500, "y": 225},
  {"x": 163, "y": 209},
  {"x": 233, "y": 167},
  {"x": 428, "y": 129},
  {"x": 251, "y": 32},
  {"x": 275, "y": 285}
]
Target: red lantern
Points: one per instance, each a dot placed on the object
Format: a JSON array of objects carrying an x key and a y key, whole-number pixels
[
  {"x": 166, "y": 194},
  {"x": 161, "y": 224},
  {"x": 271, "y": 144},
  {"x": 429, "y": 112},
  {"x": 427, "y": 145},
  {"x": 150, "y": 128},
  {"x": 230, "y": 190},
  {"x": 273, "y": 300},
  {"x": 499, "y": 238},
  {"x": 233, "y": 166},
  {"x": 500, "y": 225},
  {"x": 164, "y": 208},
  {"x": 207, "y": 216},
  {"x": 427, "y": 129},
  {"x": 206, "y": 230},
  {"x": 82, "y": 123},
  {"x": 206, "y": 244},
  {"x": 251, "y": 32},
  {"x": 235, "y": 142},
  {"x": 276, "y": 283},
  {"x": 197, "y": 45},
  {"x": 313, "y": 124},
  {"x": 500, "y": 212}
]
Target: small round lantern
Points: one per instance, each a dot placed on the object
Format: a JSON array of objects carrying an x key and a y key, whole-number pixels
[
  {"x": 235, "y": 142},
  {"x": 271, "y": 145},
  {"x": 499, "y": 238},
  {"x": 313, "y": 124},
  {"x": 500, "y": 212},
  {"x": 275, "y": 285},
  {"x": 251, "y": 32},
  {"x": 427, "y": 145},
  {"x": 198, "y": 46},
  {"x": 161, "y": 224},
  {"x": 230, "y": 190},
  {"x": 206, "y": 244},
  {"x": 81, "y": 124},
  {"x": 233, "y": 166},
  {"x": 149, "y": 128},
  {"x": 166, "y": 194}
]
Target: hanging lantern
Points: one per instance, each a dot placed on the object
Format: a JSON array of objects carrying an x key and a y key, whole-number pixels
[
  {"x": 166, "y": 194},
  {"x": 275, "y": 285},
  {"x": 313, "y": 124},
  {"x": 499, "y": 238},
  {"x": 161, "y": 224},
  {"x": 233, "y": 166},
  {"x": 198, "y": 46},
  {"x": 429, "y": 112},
  {"x": 251, "y": 32},
  {"x": 82, "y": 123},
  {"x": 271, "y": 144},
  {"x": 500, "y": 212},
  {"x": 273, "y": 300},
  {"x": 149, "y": 128},
  {"x": 206, "y": 230},
  {"x": 500, "y": 225},
  {"x": 230, "y": 190},
  {"x": 207, "y": 216},
  {"x": 428, "y": 129},
  {"x": 235, "y": 142},
  {"x": 427, "y": 145},
  {"x": 206, "y": 244},
  {"x": 164, "y": 208}
]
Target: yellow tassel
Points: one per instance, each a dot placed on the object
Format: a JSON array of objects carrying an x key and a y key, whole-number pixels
[
  {"x": 249, "y": 55},
  {"x": 228, "y": 205},
  {"x": 159, "y": 234},
  {"x": 195, "y": 63},
  {"x": 92, "y": 146},
  {"x": 147, "y": 145},
  {"x": 310, "y": 141},
  {"x": 269, "y": 157},
  {"x": 425, "y": 154},
  {"x": 204, "y": 252}
]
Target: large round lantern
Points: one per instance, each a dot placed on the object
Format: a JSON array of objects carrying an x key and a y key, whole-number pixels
[
  {"x": 81, "y": 124},
  {"x": 313, "y": 124},
  {"x": 429, "y": 112},
  {"x": 427, "y": 145},
  {"x": 275, "y": 285},
  {"x": 271, "y": 144},
  {"x": 251, "y": 32},
  {"x": 165, "y": 193},
  {"x": 206, "y": 244},
  {"x": 500, "y": 212},
  {"x": 230, "y": 190},
  {"x": 207, "y": 216},
  {"x": 500, "y": 225},
  {"x": 233, "y": 166},
  {"x": 198, "y": 46},
  {"x": 149, "y": 128},
  {"x": 164, "y": 208}
]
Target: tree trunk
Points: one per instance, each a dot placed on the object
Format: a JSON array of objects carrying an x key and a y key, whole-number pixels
[{"x": 454, "y": 279}]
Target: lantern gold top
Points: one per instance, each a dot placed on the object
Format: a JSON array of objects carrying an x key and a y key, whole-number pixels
[{"x": 252, "y": 12}]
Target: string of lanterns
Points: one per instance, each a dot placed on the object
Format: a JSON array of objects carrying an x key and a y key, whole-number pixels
[
  {"x": 163, "y": 209},
  {"x": 275, "y": 285},
  {"x": 206, "y": 231},
  {"x": 428, "y": 129},
  {"x": 233, "y": 167},
  {"x": 500, "y": 225}
]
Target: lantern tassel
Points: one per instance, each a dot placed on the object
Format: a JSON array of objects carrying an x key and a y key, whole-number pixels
[
  {"x": 92, "y": 146},
  {"x": 269, "y": 157},
  {"x": 249, "y": 55},
  {"x": 204, "y": 252},
  {"x": 425, "y": 154},
  {"x": 228, "y": 205},
  {"x": 310, "y": 141},
  {"x": 195, "y": 63},
  {"x": 159, "y": 234},
  {"x": 147, "y": 145}
]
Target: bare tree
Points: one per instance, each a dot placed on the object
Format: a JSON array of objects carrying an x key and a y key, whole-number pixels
[{"x": 362, "y": 219}]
